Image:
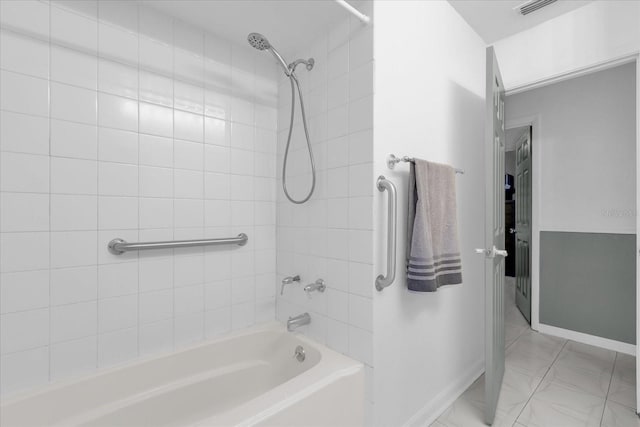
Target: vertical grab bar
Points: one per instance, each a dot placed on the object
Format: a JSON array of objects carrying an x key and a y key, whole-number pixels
[{"x": 384, "y": 184}]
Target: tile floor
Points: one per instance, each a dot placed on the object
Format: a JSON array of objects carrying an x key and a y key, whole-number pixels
[{"x": 551, "y": 382}]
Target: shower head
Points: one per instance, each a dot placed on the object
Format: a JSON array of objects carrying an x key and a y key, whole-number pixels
[{"x": 260, "y": 42}]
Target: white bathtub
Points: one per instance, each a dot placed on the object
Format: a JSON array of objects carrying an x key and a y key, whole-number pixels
[{"x": 245, "y": 378}]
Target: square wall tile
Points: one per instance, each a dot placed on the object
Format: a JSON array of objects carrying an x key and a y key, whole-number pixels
[
  {"x": 73, "y": 30},
  {"x": 117, "y": 313},
  {"x": 73, "y": 176},
  {"x": 156, "y": 182},
  {"x": 23, "y": 133},
  {"x": 117, "y": 279},
  {"x": 156, "y": 120},
  {"x": 74, "y": 140},
  {"x": 217, "y": 322},
  {"x": 24, "y": 94},
  {"x": 118, "y": 79},
  {"x": 32, "y": 16},
  {"x": 117, "y": 44},
  {"x": 156, "y": 56},
  {"x": 24, "y": 212},
  {"x": 188, "y": 329},
  {"x": 115, "y": 179},
  {"x": 73, "y": 104},
  {"x": 156, "y": 337},
  {"x": 24, "y": 369},
  {"x": 155, "y": 151},
  {"x": 24, "y": 251},
  {"x": 116, "y": 347},
  {"x": 73, "y": 248},
  {"x": 74, "y": 285},
  {"x": 24, "y": 330},
  {"x": 217, "y": 294},
  {"x": 24, "y": 54},
  {"x": 118, "y": 112},
  {"x": 72, "y": 358},
  {"x": 155, "y": 274},
  {"x": 188, "y": 126},
  {"x": 156, "y": 306},
  {"x": 28, "y": 290},
  {"x": 74, "y": 68},
  {"x": 117, "y": 146},
  {"x": 73, "y": 212}
]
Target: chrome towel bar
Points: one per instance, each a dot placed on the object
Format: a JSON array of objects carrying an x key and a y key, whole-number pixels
[
  {"x": 118, "y": 246},
  {"x": 392, "y": 161},
  {"x": 384, "y": 184}
]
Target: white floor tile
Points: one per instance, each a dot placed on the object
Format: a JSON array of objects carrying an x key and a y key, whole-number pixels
[
  {"x": 468, "y": 410},
  {"x": 554, "y": 405},
  {"x": 578, "y": 380},
  {"x": 623, "y": 383},
  {"x": 616, "y": 415}
]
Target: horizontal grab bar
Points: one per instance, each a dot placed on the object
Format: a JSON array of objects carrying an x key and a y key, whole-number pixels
[{"x": 118, "y": 246}]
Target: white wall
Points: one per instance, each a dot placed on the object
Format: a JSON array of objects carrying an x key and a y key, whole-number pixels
[
  {"x": 121, "y": 122},
  {"x": 429, "y": 103},
  {"x": 585, "y": 150},
  {"x": 593, "y": 34},
  {"x": 330, "y": 237}
]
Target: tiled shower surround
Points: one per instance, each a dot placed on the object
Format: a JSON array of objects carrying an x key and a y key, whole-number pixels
[
  {"x": 118, "y": 121},
  {"x": 330, "y": 237}
]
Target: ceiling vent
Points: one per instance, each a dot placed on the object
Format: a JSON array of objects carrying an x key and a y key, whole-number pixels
[{"x": 533, "y": 5}]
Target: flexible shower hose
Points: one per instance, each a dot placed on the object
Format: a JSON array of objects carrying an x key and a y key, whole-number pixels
[{"x": 293, "y": 79}]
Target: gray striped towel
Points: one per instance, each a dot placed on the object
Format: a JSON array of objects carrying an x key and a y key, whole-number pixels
[{"x": 433, "y": 254}]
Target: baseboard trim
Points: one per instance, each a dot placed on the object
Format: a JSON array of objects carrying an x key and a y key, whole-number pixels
[
  {"x": 433, "y": 409},
  {"x": 621, "y": 347}
]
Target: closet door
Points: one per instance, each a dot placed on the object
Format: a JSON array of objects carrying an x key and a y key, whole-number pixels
[{"x": 523, "y": 225}]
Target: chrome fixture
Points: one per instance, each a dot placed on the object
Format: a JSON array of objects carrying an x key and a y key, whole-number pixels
[
  {"x": 492, "y": 252},
  {"x": 384, "y": 281},
  {"x": 392, "y": 161},
  {"x": 260, "y": 42},
  {"x": 287, "y": 281},
  {"x": 355, "y": 12},
  {"x": 118, "y": 246},
  {"x": 299, "y": 354},
  {"x": 318, "y": 285},
  {"x": 297, "y": 321}
]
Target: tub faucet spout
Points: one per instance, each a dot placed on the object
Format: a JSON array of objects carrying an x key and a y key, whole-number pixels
[{"x": 297, "y": 321}]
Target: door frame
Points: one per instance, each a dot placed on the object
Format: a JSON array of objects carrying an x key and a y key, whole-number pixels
[{"x": 535, "y": 262}]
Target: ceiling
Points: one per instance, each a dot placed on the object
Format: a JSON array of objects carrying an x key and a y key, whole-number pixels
[
  {"x": 287, "y": 24},
  {"x": 496, "y": 19}
]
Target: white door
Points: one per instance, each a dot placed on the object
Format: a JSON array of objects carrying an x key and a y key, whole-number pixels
[
  {"x": 523, "y": 225},
  {"x": 494, "y": 237}
]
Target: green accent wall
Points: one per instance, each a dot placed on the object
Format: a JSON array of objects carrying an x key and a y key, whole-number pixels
[{"x": 588, "y": 283}]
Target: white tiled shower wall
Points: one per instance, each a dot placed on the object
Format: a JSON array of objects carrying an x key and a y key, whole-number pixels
[
  {"x": 330, "y": 237},
  {"x": 118, "y": 121}
]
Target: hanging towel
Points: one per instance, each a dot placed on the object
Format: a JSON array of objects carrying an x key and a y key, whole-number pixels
[{"x": 433, "y": 254}]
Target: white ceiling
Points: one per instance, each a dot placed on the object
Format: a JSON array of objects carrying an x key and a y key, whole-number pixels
[
  {"x": 287, "y": 24},
  {"x": 496, "y": 19}
]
